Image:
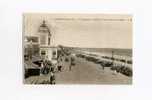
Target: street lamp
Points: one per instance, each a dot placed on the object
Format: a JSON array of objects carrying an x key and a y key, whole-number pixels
[{"x": 31, "y": 49}]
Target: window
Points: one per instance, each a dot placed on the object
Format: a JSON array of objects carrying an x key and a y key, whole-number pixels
[
  {"x": 54, "y": 54},
  {"x": 43, "y": 52}
]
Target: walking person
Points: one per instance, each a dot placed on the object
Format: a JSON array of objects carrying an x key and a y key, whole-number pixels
[
  {"x": 59, "y": 68},
  {"x": 70, "y": 67},
  {"x": 59, "y": 65},
  {"x": 52, "y": 69},
  {"x": 103, "y": 67},
  {"x": 52, "y": 78},
  {"x": 71, "y": 63}
]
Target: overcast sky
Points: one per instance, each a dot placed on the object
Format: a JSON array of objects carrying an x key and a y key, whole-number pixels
[{"x": 83, "y": 30}]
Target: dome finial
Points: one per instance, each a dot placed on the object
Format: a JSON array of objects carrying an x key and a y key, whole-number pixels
[
  {"x": 43, "y": 24},
  {"x": 43, "y": 21},
  {"x": 44, "y": 28}
]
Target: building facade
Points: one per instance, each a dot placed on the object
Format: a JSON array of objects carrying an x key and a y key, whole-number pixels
[
  {"x": 47, "y": 50},
  {"x": 43, "y": 40}
]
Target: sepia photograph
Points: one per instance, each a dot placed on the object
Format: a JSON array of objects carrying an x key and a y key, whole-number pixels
[{"x": 77, "y": 49}]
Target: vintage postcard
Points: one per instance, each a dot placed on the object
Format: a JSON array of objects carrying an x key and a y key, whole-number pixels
[{"x": 77, "y": 48}]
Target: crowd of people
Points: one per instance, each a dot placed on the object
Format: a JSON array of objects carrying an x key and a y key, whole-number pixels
[{"x": 47, "y": 67}]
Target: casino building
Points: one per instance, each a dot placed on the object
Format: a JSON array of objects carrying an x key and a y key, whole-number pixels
[{"x": 41, "y": 44}]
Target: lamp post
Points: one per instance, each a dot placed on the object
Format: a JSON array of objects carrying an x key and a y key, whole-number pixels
[
  {"x": 112, "y": 57},
  {"x": 30, "y": 49}
]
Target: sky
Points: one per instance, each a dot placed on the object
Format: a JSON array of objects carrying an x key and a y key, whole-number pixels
[{"x": 83, "y": 30}]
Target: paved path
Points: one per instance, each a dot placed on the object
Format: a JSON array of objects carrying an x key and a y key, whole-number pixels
[{"x": 83, "y": 72}]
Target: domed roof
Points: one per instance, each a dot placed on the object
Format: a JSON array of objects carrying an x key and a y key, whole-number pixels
[{"x": 44, "y": 28}]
